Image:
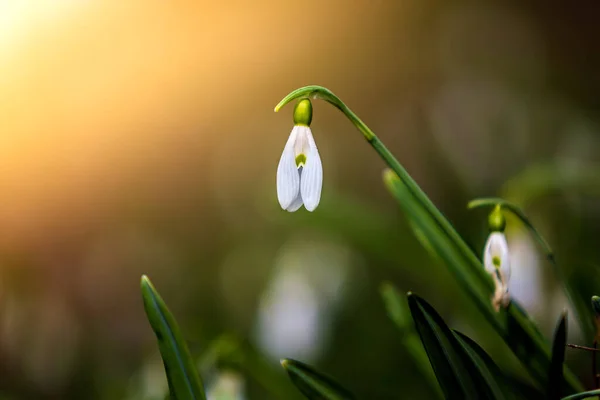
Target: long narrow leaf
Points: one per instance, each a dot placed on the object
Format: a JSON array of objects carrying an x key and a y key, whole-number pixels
[
  {"x": 489, "y": 371},
  {"x": 509, "y": 386},
  {"x": 184, "y": 381},
  {"x": 457, "y": 375},
  {"x": 313, "y": 384},
  {"x": 584, "y": 395},
  {"x": 399, "y": 313},
  {"x": 555, "y": 372},
  {"x": 580, "y": 285}
]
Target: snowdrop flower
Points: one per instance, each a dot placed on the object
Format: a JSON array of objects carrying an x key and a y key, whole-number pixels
[
  {"x": 496, "y": 259},
  {"x": 300, "y": 173}
]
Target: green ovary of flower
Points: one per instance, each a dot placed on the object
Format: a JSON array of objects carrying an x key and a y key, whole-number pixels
[{"x": 303, "y": 112}]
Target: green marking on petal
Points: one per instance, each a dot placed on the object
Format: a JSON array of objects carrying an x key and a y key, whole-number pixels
[
  {"x": 300, "y": 160},
  {"x": 496, "y": 261}
]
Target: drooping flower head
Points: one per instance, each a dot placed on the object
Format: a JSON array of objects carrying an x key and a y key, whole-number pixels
[
  {"x": 496, "y": 259},
  {"x": 300, "y": 172}
]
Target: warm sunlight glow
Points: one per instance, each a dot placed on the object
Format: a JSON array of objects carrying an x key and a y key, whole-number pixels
[{"x": 18, "y": 18}]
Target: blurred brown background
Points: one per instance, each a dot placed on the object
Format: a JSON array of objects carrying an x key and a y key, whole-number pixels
[{"x": 139, "y": 137}]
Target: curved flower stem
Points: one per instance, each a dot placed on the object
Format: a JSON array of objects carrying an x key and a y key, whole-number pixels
[
  {"x": 515, "y": 210},
  {"x": 319, "y": 92}
]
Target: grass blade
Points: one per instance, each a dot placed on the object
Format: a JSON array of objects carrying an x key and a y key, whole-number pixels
[
  {"x": 555, "y": 373},
  {"x": 399, "y": 312},
  {"x": 457, "y": 375},
  {"x": 509, "y": 386},
  {"x": 184, "y": 381},
  {"x": 489, "y": 370},
  {"x": 583, "y": 395},
  {"x": 313, "y": 384}
]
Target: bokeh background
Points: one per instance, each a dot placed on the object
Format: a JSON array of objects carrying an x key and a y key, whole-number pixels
[{"x": 139, "y": 138}]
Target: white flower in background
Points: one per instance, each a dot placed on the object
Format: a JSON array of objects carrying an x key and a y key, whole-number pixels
[
  {"x": 310, "y": 282},
  {"x": 300, "y": 173},
  {"x": 229, "y": 385},
  {"x": 496, "y": 260}
]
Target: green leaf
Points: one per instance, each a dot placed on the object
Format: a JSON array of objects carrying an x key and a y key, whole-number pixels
[
  {"x": 395, "y": 306},
  {"x": 555, "y": 373},
  {"x": 313, "y": 384},
  {"x": 510, "y": 387},
  {"x": 583, "y": 395},
  {"x": 488, "y": 369},
  {"x": 184, "y": 381},
  {"x": 399, "y": 312},
  {"x": 580, "y": 285},
  {"x": 512, "y": 324},
  {"x": 263, "y": 372},
  {"x": 457, "y": 375}
]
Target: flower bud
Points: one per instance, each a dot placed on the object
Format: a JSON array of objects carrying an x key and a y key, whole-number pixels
[
  {"x": 303, "y": 112},
  {"x": 496, "y": 220}
]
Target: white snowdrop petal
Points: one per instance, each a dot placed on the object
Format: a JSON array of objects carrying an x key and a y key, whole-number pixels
[
  {"x": 312, "y": 175},
  {"x": 288, "y": 177},
  {"x": 487, "y": 258},
  {"x": 505, "y": 257},
  {"x": 496, "y": 247},
  {"x": 296, "y": 204}
]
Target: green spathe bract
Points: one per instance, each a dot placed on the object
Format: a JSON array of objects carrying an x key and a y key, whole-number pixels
[
  {"x": 184, "y": 381},
  {"x": 513, "y": 325}
]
